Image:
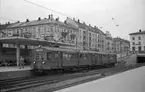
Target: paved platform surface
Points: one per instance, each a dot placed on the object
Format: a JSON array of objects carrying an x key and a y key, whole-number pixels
[
  {"x": 14, "y": 68},
  {"x": 15, "y": 72},
  {"x": 129, "y": 81}
]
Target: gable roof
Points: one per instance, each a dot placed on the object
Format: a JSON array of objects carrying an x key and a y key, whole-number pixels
[
  {"x": 38, "y": 22},
  {"x": 81, "y": 25}
]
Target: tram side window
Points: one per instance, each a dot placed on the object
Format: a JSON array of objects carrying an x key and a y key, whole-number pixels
[
  {"x": 48, "y": 55},
  {"x": 66, "y": 56},
  {"x": 85, "y": 56},
  {"x": 81, "y": 55},
  {"x": 56, "y": 55},
  {"x": 73, "y": 56}
]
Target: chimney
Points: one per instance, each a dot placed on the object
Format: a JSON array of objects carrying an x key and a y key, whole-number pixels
[
  {"x": 65, "y": 21},
  {"x": 140, "y": 30},
  {"x": 89, "y": 24},
  {"x": 78, "y": 21},
  {"x": 18, "y": 21},
  {"x": 8, "y": 23},
  {"x": 39, "y": 18},
  {"x": 51, "y": 16},
  {"x": 57, "y": 19},
  {"x": 84, "y": 23},
  {"x": 27, "y": 20},
  {"x": 95, "y": 27},
  {"x": 48, "y": 16}
]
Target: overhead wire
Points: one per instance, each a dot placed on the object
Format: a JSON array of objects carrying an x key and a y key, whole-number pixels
[
  {"x": 112, "y": 18},
  {"x": 57, "y": 11},
  {"x": 47, "y": 8},
  {"x": 8, "y": 19},
  {"x": 52, "y": 10}
]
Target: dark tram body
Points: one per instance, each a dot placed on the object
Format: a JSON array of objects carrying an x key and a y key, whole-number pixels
[{"x": 49, "y": 58}]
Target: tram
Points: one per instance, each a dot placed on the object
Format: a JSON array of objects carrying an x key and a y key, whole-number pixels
[{"x": 52, "y": 58}]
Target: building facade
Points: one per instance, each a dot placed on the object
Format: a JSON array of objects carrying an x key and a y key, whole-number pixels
[
  {"x": 109, "y": 42},
  {"x": 137, "y": 41},
  {"x": 121, "y": 46}
]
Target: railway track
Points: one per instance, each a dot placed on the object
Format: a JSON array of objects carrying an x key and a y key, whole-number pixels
[{"x": 35, "y": 81}]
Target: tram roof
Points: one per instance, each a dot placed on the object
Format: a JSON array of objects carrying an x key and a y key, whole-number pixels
[
  {"x": 71, "y": 50},
  {"x": 58, "y": 49}
]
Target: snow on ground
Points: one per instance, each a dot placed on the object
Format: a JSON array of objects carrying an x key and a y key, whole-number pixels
[{"x": 129, "y": 81}]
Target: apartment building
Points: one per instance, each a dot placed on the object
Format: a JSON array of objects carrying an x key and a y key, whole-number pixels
[{"x": 137, "y": 41}]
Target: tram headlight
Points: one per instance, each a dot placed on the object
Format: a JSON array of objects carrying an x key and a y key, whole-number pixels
[
  {"x": 34, "y": 62},
  {"x": 43, "y": 62}
]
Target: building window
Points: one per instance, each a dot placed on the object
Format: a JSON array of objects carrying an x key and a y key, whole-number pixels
[
  {"x": 139, "y": 38},
  {"x": 133, "y": 38},
  {"x": 133, "y": 48},
  {"x": 139, "y": 48},
  {"x": 133, "y": 43},
  {"x": 139, "y": 43}
]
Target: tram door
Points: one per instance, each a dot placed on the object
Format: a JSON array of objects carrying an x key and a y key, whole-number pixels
[
  {"x": 40, "y": 57},
  {"x": 58, "y": 58}
]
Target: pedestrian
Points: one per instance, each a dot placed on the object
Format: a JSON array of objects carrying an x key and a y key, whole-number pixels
[{"x": 21, "y": 62}]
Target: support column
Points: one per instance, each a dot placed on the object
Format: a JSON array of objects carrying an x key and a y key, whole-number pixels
[
  {"x": 18, "y": 53},
  {"x": 1, "y": 51},
  {"x": 26, "y": 47}
]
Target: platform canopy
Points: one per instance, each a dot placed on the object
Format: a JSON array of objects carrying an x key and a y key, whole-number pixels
[{"x": 31, "y": 41}]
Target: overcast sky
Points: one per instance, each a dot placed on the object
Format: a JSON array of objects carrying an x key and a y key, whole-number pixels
[{"x": 128, "y": 14}]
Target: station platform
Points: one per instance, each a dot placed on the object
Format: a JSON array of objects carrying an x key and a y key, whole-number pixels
[
  {"x": 14, "y": 68},
  {"x": 14, "y": 72},
  {"x": 129, "y": 81}
]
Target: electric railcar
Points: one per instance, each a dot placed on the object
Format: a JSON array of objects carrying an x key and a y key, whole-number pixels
[{"x": 47, "y": 58}]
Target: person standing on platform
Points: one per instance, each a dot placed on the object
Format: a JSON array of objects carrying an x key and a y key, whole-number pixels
[{"x": 21, "y": 62}]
